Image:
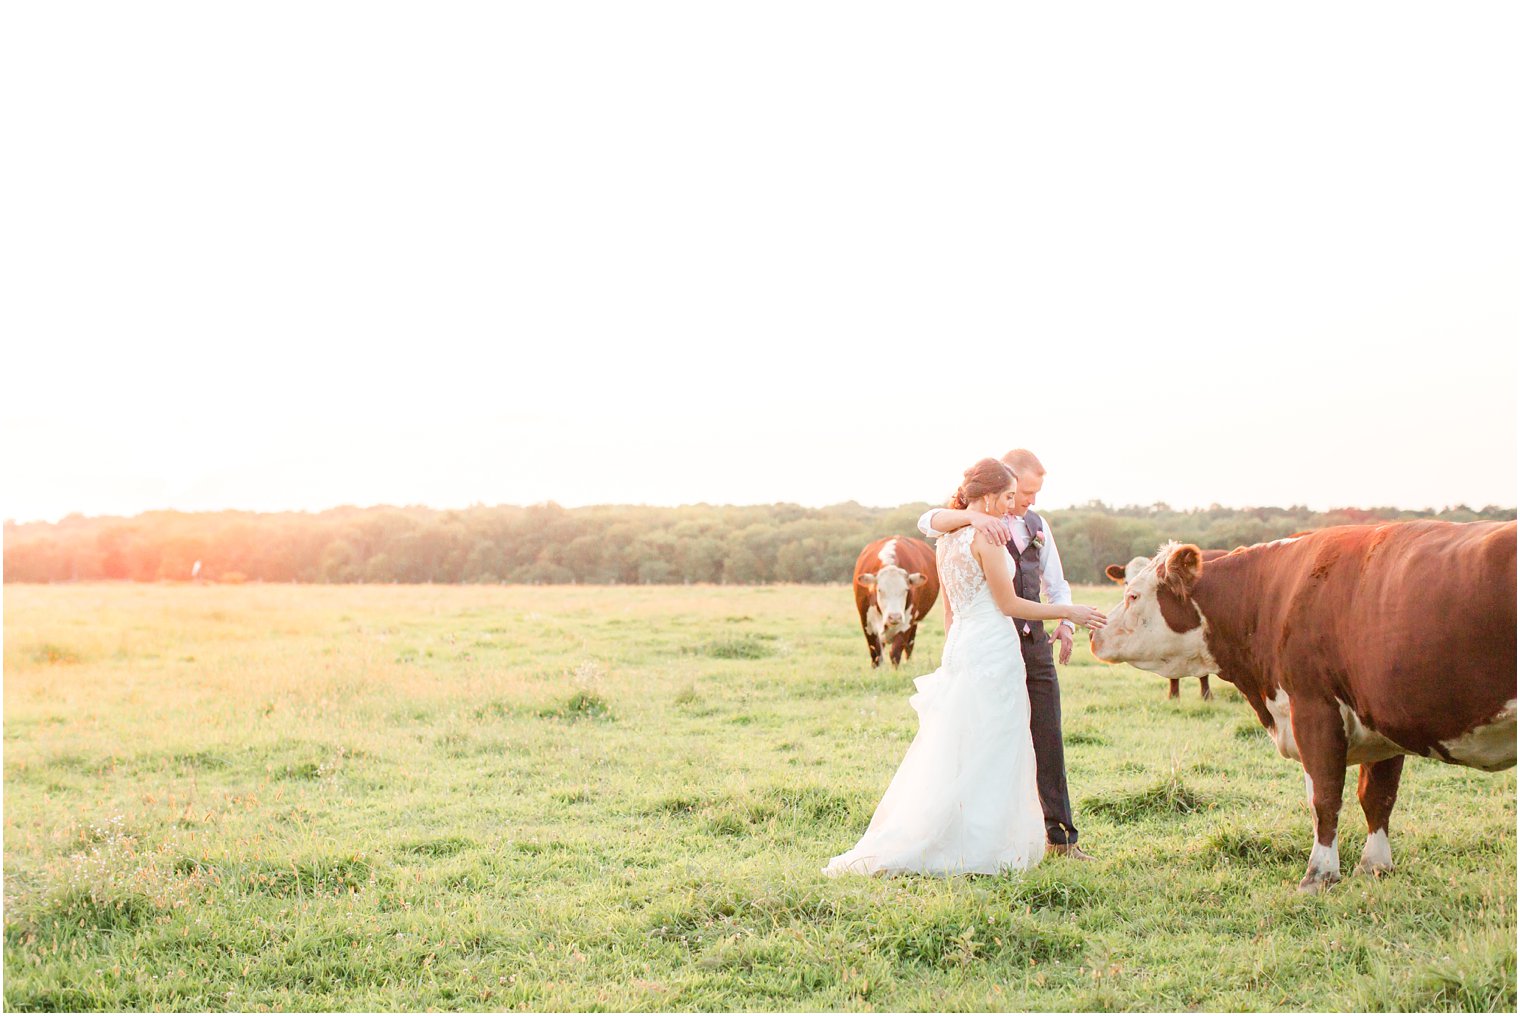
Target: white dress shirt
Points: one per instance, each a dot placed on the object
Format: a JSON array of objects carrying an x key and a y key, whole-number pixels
[{"x": 1052, "y": 579}]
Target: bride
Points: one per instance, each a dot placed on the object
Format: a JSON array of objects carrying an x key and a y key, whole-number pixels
[{"x": 964, "y": 798}]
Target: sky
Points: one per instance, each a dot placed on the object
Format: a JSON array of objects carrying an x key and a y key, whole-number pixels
[{"x": 289, "y": 256}]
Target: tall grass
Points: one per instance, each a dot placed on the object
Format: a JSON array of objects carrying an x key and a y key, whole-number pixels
[{"x": 272, "y": 797}]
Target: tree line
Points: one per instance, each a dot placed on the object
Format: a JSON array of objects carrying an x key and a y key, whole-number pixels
[{"x": 629, "y": 545}]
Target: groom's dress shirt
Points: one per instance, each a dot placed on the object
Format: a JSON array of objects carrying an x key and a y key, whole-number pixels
[{"x": 1052, "y": 579}]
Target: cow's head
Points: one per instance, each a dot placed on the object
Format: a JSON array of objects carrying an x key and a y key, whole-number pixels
[
  {"x": 888, "y": 588},
  {"x": 1157, "y": 627},
  {"x": 1123, "y": 573}
]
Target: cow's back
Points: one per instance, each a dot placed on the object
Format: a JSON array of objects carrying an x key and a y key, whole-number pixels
[{"x": 1412, "y": 625}]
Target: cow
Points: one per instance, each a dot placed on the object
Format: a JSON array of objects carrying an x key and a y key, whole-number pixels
[
  {"x": 1355, "y": 645},
  {"x": 1122, "y": 573},
  {"x": 895, "y": 585}
]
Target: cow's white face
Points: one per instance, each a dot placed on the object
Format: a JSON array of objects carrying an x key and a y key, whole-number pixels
[
  {"x": 890, "y": 611},
  {"x": 1156, "y": 627}
]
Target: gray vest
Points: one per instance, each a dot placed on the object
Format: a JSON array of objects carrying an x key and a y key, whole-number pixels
[{"x": 1026, "y": 576}]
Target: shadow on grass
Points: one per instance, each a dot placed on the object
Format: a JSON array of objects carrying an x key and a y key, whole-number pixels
[
  {"x": 51, "y": 653},
  {"x": 1257, "y": 849},
  {"x": 334, "y": 875},
  {"x": 1476, "y": 973},
  {"x": 1168, "y": 798},
  {"x": 807, "y": 807},
  {"x": 583, "y": 705},
  {"x": 941, "y": 933},
  {"x": 79, "y": 912},
  {"x": 439, "y": 846},
  {"x": 744, "y": 647}
]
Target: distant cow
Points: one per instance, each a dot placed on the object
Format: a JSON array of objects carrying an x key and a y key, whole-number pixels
[
  {"x": 1123, "y": 574},
  {"x": 1356, "y": 645},
  {"x": 895, "y": 585}
]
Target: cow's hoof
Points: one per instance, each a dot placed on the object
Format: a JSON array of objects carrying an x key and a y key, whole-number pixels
[
  {"x": 1318, "y": 882},
  {"x": 1365, "y": 867},
  {"x": 1208, "y": 696}
]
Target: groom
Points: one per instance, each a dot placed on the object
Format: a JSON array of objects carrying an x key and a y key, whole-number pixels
[{"x": 1036, "y": 564}]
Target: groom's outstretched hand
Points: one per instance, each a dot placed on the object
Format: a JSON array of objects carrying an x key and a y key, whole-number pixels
[{"x": 1063, "y": 633}]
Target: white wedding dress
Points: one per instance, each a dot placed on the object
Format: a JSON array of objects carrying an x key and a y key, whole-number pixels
[{"x": 964, "y": 798}]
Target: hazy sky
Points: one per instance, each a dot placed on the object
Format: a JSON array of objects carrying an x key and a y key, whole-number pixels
[{"x": 296, "y": 255}]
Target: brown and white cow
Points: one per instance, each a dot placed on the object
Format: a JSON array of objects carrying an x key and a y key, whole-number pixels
[
  {"x": 895, "y": 585},
  {"x": 1122, "y": 575},
  {"x": 1356, "y": 645}
]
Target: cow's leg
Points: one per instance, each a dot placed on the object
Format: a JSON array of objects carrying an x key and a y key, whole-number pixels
[
  {"x": 1203, "y": 687},
  {"x": 874, "y": 644},
  {"x": 1377, "y": 789},
  {"x": 1322, "y": 747},
  {"x": 1176, "y": 689},
  {"x": 897, "y": 649},
  {"x": 908, "y": 641}
]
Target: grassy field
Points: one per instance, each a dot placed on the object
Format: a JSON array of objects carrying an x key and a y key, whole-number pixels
[{"x": 386, "y": 797}]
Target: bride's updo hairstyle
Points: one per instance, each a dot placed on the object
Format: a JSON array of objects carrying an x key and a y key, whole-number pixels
[{"x": 989, "y": 476}]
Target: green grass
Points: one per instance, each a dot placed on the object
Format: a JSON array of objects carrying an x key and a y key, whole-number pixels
[{"x": 279, "y": 797}]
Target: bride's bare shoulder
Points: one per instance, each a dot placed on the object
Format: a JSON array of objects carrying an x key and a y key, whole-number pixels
[{"x": 982, "y": 540}]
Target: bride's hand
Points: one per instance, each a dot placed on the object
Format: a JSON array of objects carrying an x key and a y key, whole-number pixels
[{"x": 1088, "y": 617}]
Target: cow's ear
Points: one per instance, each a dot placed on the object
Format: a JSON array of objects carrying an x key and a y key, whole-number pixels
[
  {"x": 1115, "y": 572},
  {"x": 917, "y": 579},
  {"x": 1182, "y": 567},
  {"x": 866, "y": 578}
]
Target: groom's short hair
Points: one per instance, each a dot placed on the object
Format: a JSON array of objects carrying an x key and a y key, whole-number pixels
[{"x": 1022, "y": 461}]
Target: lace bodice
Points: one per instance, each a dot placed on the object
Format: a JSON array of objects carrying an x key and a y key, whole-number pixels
[{"x": 960, "y": 575}]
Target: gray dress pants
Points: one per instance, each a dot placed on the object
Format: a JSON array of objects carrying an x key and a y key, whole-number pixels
[{"x": 1045, "y": 726}]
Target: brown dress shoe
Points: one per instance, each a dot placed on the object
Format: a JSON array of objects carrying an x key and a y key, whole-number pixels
[{"x": 1068, "y": 850}]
